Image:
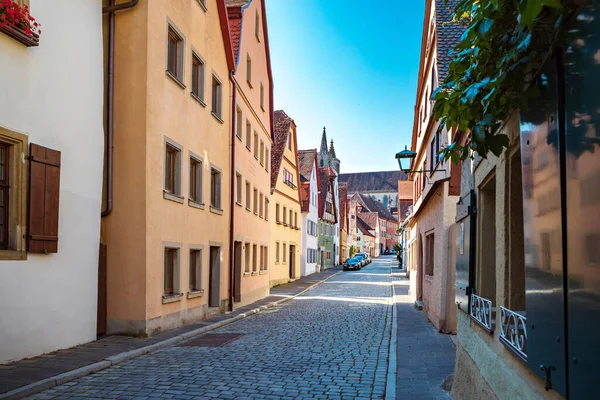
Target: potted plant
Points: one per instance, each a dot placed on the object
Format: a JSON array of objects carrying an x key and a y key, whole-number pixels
[{"x": 17, "y": 22}]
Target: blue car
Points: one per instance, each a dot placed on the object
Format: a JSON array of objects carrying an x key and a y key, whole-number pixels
[{"x": 352, "y": 263}]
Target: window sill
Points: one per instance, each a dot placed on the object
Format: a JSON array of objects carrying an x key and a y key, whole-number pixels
[
  {"x": 173, "y": 197},
  {"x": 255, "y": 213},
  {"x": 217, "y": 117},
  {"x": 248, "y": 148},
  {"x": 429, "y": 278},
  {"x": 247, "y": 209},
  {"x": 247, "y": 273},
  {"x": 13, "y": 255},
  {"x": 195, "y": 293},
  {"x": 254, "y": 273},
  {"x": 276, "y": 262},
  {"x": 198, "y": 99},
  {"x": 239, "y": 137},
  {"x": 175, "y": 79},
  {"x": 195, "y": 204},
  {"x": 264, "y": 272},
  {"x": 20, "y": 36},
  {"x": 256, "y": 156},
  {"x": 262, "y": 108},
  {"x": 238, "y": 203},
  {"x": 172, "y": 298},
  {"x": 214, "y": 210},
  {"x": 202, "y": 5},
  {"x": 249, "y": 83}
]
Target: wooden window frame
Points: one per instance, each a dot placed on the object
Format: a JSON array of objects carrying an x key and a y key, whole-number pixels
[
  {"x": 198, "y": 78},
  {"x": 171, "y": 284},
  {"x": 196, "y": 180},
  {"x": 16, "y": 248},
  {"x": 195, "y": 269},
  {"x": 173, "y": 193},
  {"x": 216, "y": 188},
  {"x": 429, "y": 267},
  {"x": 217, "y": 98},
  {"x": 176, "y": 69}
]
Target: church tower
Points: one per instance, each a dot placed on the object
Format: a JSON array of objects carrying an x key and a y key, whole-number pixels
[{"x": 323, "y": 155}]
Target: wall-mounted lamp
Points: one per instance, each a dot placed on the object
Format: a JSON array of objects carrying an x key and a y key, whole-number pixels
[{"x": 405, "y": 162}]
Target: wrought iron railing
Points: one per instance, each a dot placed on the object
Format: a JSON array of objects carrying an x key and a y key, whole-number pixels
[
  {"x": 513, "y": 331},
  {"x": 482, "y": 312}
]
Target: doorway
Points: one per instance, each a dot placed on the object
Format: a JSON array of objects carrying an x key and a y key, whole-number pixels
[
  {"x": 214, "y": 279},
  {"x": 292, "y": 260},
  {"x": 322, "y": 260},
  {"x": 237, "y": 272},
  {"x": 420, "y": 270}
]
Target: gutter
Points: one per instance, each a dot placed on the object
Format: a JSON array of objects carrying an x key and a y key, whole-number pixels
[
  {"x": 232, "y": 194},
  {"x": 108, "y": 147}
]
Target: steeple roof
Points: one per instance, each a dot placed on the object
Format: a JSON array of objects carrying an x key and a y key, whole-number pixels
[
  {"x": 324, "y": 142},
  {"x": 332, "y": 150}
]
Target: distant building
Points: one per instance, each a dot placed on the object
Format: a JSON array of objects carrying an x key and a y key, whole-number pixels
[
  {"x": 388, "y": 224},
  {"x": 382, "y": 185},
  {"x": 309, "y": 190}
]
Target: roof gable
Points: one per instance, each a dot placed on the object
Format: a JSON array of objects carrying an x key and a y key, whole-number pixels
[{"x": 381, "y": 181}]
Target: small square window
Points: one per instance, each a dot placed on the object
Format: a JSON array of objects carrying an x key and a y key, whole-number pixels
[
  {"x": 195, "y": 270},
  {"x": 175, "y": 54},
  {"x": 215, "y": 188},
  {"x": 195, "y": 180},
  {"x": 197, "y": 77},
  {"x": 216, "y": 97}
]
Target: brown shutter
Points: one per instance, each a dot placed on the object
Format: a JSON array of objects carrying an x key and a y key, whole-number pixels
[{"x": 44, "y": 185}]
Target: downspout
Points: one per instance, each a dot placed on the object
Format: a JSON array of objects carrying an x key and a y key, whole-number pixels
[
  {"x": 232, "y": 195},
  {"x": 108, "y": 147}
]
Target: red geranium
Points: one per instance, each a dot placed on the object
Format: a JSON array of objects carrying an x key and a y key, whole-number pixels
[{"x": 14, "y": 15}]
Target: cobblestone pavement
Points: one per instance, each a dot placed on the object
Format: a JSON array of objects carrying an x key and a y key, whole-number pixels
[{"x": 331, "y": 343}]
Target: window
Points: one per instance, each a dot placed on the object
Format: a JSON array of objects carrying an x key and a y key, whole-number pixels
[
  {"x": 437, "y": 147},
  {"x": 277, "y": 214},
  {"x": 264, "y": 258},
  {"x": 247, "y": 258},
  {"x": 248, "y": 135},
  {"x": 172, "y": 169},
  {"x": 429, "y": 254},
  {"x": 283, "y": 252},
  {"x": 239, "y": 122},
  {"x": 257, "y": 26},
  {"x": 288, "y": 178},
  {"x": 276, "y": 252},
  {"x": 195, "y": 180},
  {"x": 262, "y": 96},
  {"x": 262, "y": 153},
  {"x": 175, "y": 47},
  {"x": 216, "y": 97},
  {"x": 291, "y": 220},
  {"x": 485, "y": 268},
  {"x": 260, "y": 206},
  {"x": 266, "y": 159},
  {"x": 195, "y": 270},
  {"x": 254, "y": 258},
  {"x": 215, "y": 188},
  {"x": 295, "y": 220},
  {"x": 5, "y": 172},
  {"x": 170, "y": 271},
  {"x": 289, "y": 142},
  {"x": 197, "y": 77},
  {"x": 284, "y": 215},
  {"x": 329, "y": 255},
  {"x": 249, "y": 70},
  {"x": 248, "y": 200},
  {"x": 255, "y": 145},
  {"x": 266, "y": 208},
  {"x": 255, "y": 208},
  {"x": 431, "y": 155},
  {"x": 238, "y": 189}
]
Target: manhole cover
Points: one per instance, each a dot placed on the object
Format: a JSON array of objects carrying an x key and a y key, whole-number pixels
[{"x": 214, "y": 340}]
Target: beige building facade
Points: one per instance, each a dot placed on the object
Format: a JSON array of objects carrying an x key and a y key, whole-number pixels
[
  {"x": 286, "y": 204},
  {"x": 167, "y": 237},
  {"x": 253, "y": 98}
]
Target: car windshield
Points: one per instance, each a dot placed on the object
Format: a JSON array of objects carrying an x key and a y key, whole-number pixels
[{"x": 351, "y": 260}]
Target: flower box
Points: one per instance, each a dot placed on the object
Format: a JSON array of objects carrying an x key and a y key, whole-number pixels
[
  {"x": 16, "y": 22},
  {"x": 19, "y": 35}
]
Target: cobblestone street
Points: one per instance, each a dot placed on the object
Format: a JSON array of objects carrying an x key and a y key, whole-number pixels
[{"x": 331, "y": 342}]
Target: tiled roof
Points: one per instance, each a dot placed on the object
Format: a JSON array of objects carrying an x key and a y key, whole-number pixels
[
  {"x": 405, "y": 209},
  {"x": 382, "y": 181},
  {"x": 236, "y": 3},
  {"x": 343, "y": 193},
  {"x": 306, "y": 163},
  {"x": 305, "y": 196},
  {"x": 363, "y": 227},
  {"x": 369, "y": 218},
  {"x": 235, "y": 28},
  {"x": 326, "y": 175},
  {"x": 375, "y": 206},
  {"x": 405, "y": 190},
  {"x": 447, "y": 34},
  {"x": 282, "y": 128}
]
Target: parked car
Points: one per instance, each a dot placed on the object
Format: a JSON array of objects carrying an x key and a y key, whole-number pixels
[
  {"x": 361, "y": 257},
  {"x": 352, "y": 263},
  {"x": 366, "y": 257}
]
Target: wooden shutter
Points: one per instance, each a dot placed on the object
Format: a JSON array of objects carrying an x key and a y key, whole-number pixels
[{"x": 44, "y": 189}]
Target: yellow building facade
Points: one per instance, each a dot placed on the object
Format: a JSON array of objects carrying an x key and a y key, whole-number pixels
[
  {"x": 286, "y": 204},
  {"x": 167, "y": 237},
  {"x": 252, "y": 99}
]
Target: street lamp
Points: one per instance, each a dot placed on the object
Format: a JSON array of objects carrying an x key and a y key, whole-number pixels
[{"x": 405, "y": 159}]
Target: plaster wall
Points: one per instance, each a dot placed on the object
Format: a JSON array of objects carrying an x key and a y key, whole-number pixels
[
  {"x": 310, "y": 241},
  {"x": 48, "y": 302},
  {"x": 151, "y": 108}
]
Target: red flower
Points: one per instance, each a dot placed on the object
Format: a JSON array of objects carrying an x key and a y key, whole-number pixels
[{"x": 12, "y": 14}]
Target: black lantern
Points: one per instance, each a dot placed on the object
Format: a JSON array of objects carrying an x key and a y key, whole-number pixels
[{"x": 405, "y": 159}]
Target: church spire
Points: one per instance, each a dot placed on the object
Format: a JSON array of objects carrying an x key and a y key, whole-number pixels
[
  {"x": 332, "y": 150},
  {"x": 324, "y": 142}
]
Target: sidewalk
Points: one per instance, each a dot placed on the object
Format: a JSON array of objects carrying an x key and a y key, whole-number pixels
[{"x": 32, "y": 375}]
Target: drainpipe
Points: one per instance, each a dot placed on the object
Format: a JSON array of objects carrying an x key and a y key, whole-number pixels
[
  {"x": 108, "y": 149},
  {"x": 232, "y": 194}
]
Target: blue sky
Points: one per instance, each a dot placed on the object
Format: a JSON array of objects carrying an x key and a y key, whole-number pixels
[{"x": 351, "y": 66}]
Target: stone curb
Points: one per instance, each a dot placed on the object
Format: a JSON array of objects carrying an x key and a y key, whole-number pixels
[
  {"x": 69, "y": 376},
  {"x": 390, "y": 386}
]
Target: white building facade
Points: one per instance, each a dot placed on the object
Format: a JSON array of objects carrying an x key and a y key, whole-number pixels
[
  {"x": 310, "y": 223},
  {"x": 51, "y": 126}
]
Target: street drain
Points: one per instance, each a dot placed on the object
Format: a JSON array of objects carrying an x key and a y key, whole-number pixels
[{"x": 213, "y": 340}]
